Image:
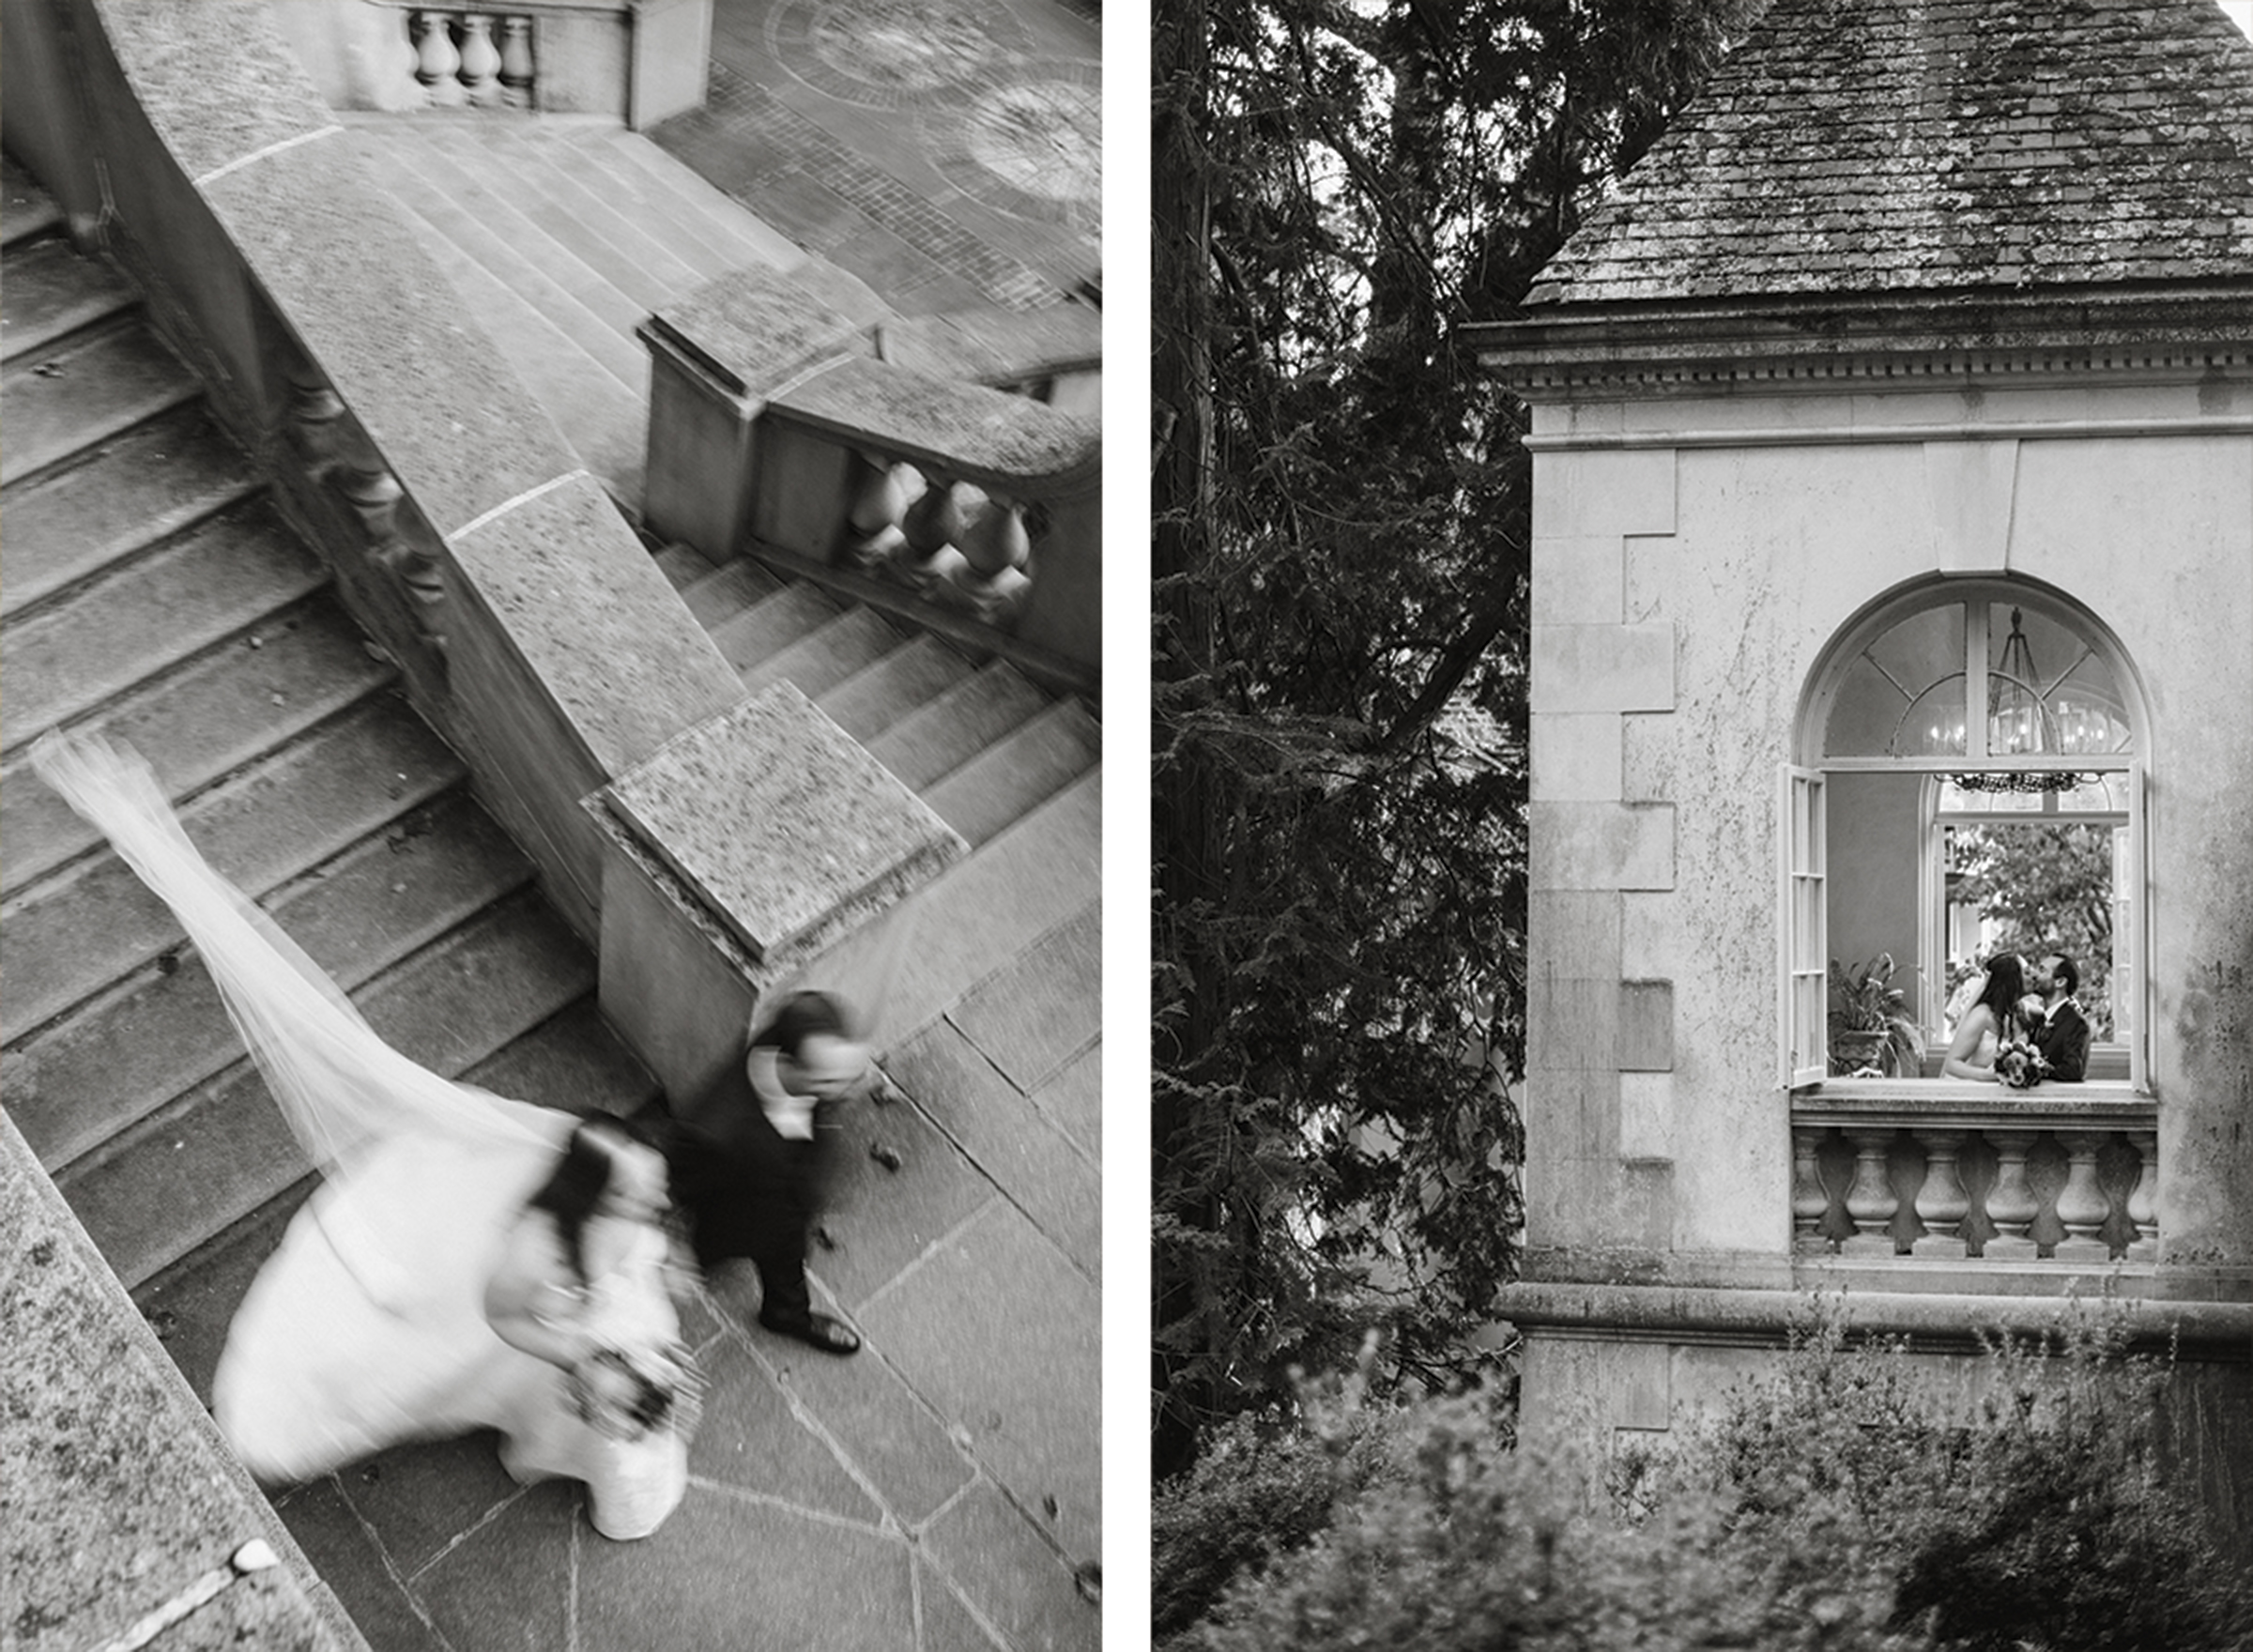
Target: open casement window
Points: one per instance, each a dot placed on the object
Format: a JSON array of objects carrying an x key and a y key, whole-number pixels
[
  {"x": 1803, "y": 1034},
  {"x": 1971, "y": 777}
]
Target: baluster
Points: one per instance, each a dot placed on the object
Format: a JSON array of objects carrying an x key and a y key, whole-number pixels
[
  {"x": 2143, "y": 1200},
  {"x": 1870, "y": 1200},
  {"x": 993, "y": 549},
  {"x": 437, "y": 65},
  {"x": 516, "y": 62},
  {"x": 930, "y": 526},
  {"x": 1810, "y": 1199},
  {"x": 1942, "y": 1201},
  {"x": 2011, "y": 1203},
  {"x": 315, "y": 415},
  {"x": 420, "y": 576},
  {"x": 2081, "y": 1203},
  {"x": 872, "y": 520},
  {"x": 480, "y": 61},
  {"x": 374, "y": 496}
]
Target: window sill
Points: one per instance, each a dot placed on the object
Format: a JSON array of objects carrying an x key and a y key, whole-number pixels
[{"x": 1969, "y": 1102}]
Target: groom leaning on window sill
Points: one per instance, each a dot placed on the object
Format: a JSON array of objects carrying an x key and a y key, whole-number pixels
[{"x": 2062, "y": 1035}]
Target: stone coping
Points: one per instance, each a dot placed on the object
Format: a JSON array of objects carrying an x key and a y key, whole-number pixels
[
  {"x": 756, "y": 329},
  {"x": 776, "y": 819},
  {"x": 1933, "y": 1321},
  {"x": 996, "y": 347},
  {"x": 1004, "y": 443},
  {"x": 1974, "y": 1105},
  {"x": 119, "y": 1491}
]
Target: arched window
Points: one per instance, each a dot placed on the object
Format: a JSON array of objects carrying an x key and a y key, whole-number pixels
[{"x": 1967, "y": 776}]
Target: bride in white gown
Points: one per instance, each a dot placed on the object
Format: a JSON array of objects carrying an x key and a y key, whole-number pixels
[{"x": 468, "y": 1260}]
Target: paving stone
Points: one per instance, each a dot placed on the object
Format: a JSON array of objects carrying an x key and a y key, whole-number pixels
[
  {"x": 1030, "y": 1017},
  {"x": 947, "y": 1624},
  {"x": 890, "y": 1436},
  {"x": 1009, "y": 1140},
  {"x": 728, "y": 1572},
  {"x": 352, "y": 1564},
  {"x": 1018, "y": 1580},
  {"x": 418, "y": 1498},
  {"x": 1074, "y": 1099},
  {"x": 1002, "y": 1336},
  {"x": 751, "y": 1439},
  {"x": 508, "y": 1583},
  {"x": 882, "y": 1220}
]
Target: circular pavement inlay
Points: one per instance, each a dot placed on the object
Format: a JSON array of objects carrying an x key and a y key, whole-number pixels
[
  {"x": 1034, "y": 149},
  {"x": 884, "y": 53}
]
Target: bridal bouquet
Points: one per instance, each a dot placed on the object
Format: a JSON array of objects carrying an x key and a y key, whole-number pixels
[
  {"x": 625, "y": 1393},
  {"x": 2019, "y": 1064}
]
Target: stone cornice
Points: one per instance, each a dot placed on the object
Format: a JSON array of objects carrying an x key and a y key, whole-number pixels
[{"x": 1822, "y": 344}]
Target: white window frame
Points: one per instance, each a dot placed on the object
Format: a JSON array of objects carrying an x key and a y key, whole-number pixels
[{"x": 1803, "y": 929}]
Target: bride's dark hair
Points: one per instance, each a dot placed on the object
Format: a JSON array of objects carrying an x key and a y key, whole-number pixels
[
  {"x": 582, "y": 1176},
  {"x": 2006, "y": 985}
]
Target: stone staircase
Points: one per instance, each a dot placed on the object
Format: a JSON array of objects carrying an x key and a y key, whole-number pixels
[
  {"x": 149, "y": 585},
  {"x": 558, "y": 236}
]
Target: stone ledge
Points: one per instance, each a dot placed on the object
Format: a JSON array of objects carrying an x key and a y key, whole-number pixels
[
  {"x": 1001, "y": 442},
  {"x": 120, "y": 1491}
]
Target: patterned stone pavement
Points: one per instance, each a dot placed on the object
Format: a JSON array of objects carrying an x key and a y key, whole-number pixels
[
  {"x": 945, "y": 152},
  {"x": 936, "y": 1493}
]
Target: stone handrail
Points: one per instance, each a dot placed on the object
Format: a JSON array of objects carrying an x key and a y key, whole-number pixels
[
  {"x": 775, "y": 429},
  {"x": 531, "y": 627}
]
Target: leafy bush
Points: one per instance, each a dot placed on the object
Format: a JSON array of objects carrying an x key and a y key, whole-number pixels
[{"x": 1837, "y": 1503}]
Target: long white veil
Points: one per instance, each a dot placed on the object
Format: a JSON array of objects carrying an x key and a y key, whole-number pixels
[{"x": 341, "y": 1090}]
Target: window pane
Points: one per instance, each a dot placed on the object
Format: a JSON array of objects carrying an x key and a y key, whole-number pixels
[
  {"x": 2049, "y": 692},
  {"x": 1904, "y": 694}
]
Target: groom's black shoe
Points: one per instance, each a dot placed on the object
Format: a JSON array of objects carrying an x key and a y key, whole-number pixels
[{"x": 816, "y": 1330}]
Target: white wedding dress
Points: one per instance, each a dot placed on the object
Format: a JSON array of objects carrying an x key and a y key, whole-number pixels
[{"x": 367, "y": 1328}]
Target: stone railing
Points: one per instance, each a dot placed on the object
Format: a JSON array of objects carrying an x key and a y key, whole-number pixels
[
  {"x": 1969, "y": 1173},
  {"x": 641, "y": 61},
  {"x": 773, "y": 430}
]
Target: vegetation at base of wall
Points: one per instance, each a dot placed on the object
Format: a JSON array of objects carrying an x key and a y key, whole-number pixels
[{"x": 1841, "y": 1503}]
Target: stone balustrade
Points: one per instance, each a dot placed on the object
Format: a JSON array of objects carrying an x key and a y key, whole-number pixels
[
  {"x": 1955, "y": 1176},
  {"x": 776, "y": 429},
  {"x": 473, "y": 59}
]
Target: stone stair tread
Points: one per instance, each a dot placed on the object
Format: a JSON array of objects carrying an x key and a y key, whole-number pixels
[
  {"x": 873, "y": 699},
  {"x": 770, "y": 625},
  {"x": 635, "y": 264},
  {"x": 984, "y": 910},
  {"x": 708, "y": 226},
  {"x": 683, "y": 565},
  {"x": 129, "y": 492},
  {"x": 596, "y": 320},
  {"x": 86, "y": 646},
  {"x": 719, "y": 594},
  {"x": 86, "y": 390},
  {"x": 119, "y": 1059},
  {"x": 1025, "y": 768},
  {"x": 53, "y": 292},
  {"x": 573, "y": 1061},
  {"x": 200, "y": 722},
  {"x": 61, "y": 940},
  {"x": 166, "y": 1188},
  {"x": 848, "y": 645},
  {"x": 26, "y": 210},
  {"x": 956, "y": 726},
  {"x": 603, "y": 420}
]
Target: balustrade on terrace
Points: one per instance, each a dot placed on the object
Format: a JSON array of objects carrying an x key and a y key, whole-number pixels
[{"x": 1945, "y": 1176}]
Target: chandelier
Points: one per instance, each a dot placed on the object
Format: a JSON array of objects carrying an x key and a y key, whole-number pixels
[{"x": 2017, "y": 719}]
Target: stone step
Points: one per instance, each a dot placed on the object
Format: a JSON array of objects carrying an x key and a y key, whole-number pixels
[
  {"x": 845, "y": 646},
  {"x": 92, "y": 386},
  {"x": 1006, "y": 781},
  {"x": 682, "y": 565},
  {"x": 598, "y": 321},
  {"x": 572, "y": 1061},
  {"x": 223, "y": 578},
  {"x": 26, "y": 210},
  {"x": 958, "y": 725},
  {"x": 158, "y": 1032},
  {"x": 604, "y": 421},
  {"x": 720, "y": 594},
  {"x": 122, "y": 495},
  {"x": 53, "y": 293},
  {"x": 170, "y": 1183},
  {"x": 201, "y": 722},
  {"x": 63, "y": 938},
  {"x": 532, "y": 168},
  {"x": 896, "y": 686},
  {"x": 770, "y": 625},
  {"x": 705, "y": 226},
  {"x": 984, "y": 910}
]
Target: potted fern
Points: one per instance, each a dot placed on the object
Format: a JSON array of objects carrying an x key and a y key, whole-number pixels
[{"x": 1870, "y": 1023}]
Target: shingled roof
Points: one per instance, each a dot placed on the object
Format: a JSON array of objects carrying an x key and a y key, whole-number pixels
[{"x": 1895, "y": 146}]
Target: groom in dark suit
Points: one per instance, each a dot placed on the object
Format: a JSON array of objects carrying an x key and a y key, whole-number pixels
[{"x": 2062, "y": 1033}]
